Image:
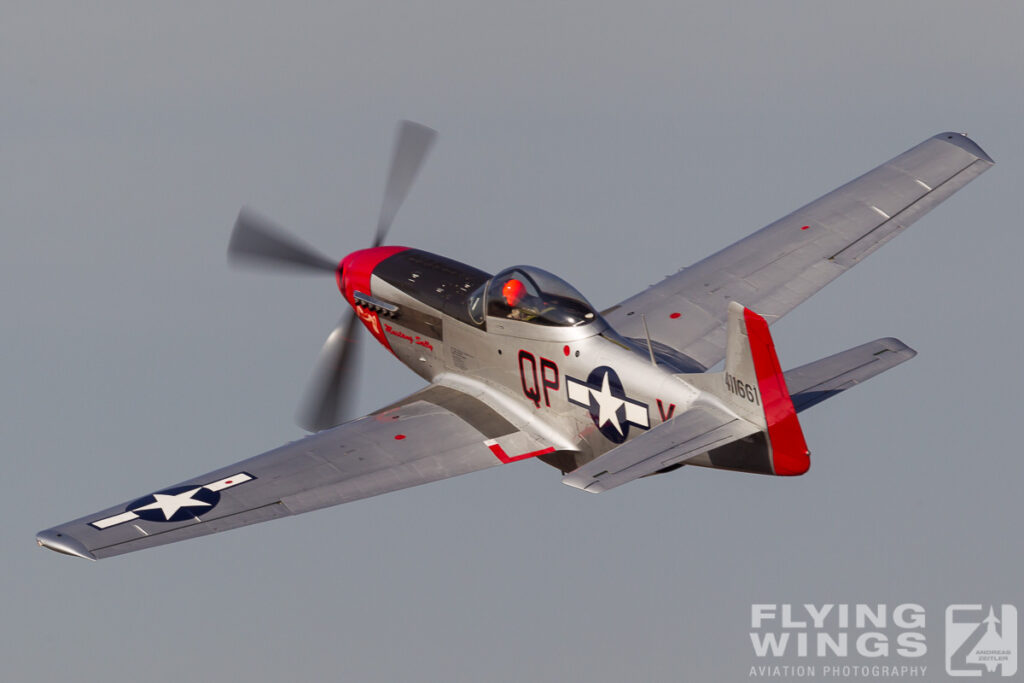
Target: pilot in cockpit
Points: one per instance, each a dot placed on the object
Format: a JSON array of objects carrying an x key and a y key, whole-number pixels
[
  {"x": 516, "y": 296},
  {"x": 531, "y": 295}
]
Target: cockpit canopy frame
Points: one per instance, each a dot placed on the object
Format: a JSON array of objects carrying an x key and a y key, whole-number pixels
[{"x": 531, "y": 296}]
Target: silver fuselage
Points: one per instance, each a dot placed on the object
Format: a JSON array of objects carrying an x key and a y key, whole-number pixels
[{"x": 546, "y": 380}]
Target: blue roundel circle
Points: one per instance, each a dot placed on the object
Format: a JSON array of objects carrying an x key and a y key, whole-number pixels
[
  {"x": 176, "y": 504},
  {"x": 596, "y": 381}
]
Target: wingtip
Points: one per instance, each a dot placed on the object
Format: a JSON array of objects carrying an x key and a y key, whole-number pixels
[
  {"x": 62, "y": 543},
  {"x": 897, "y": 346},
  {"x": 965, "y": 143},
  {"x": 583, "y": 482}
]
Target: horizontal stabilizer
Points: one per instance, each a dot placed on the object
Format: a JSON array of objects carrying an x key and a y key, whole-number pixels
[
  {"x": 813, "y": 383},
  {"x": 701, "y": 428}
]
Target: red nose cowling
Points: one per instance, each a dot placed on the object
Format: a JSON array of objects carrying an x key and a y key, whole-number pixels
[{"x": 353, "y": 275}]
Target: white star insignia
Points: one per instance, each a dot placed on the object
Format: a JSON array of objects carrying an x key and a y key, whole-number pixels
[
  {"x": 170, "y": 504},
  {"x": 608, "y": 404}
]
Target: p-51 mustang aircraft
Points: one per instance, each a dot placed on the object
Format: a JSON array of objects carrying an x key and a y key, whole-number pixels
[{"x": 521, "y": 366}]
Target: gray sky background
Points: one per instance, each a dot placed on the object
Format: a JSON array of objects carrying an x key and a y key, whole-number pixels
[{"x": 611, "y": 143}]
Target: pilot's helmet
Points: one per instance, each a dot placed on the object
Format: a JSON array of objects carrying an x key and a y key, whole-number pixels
[{"x": 513, "y": 291}]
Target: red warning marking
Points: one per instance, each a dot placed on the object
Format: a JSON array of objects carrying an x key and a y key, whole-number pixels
[
  {"x": 505, "y": 458},
  {"x": 565, "y": 349},
  {"x": 399, "y": 437},
  {"x": 228, "y": 482},
  {"x": 806, "y": 227},
  {"x": 790, "y": 454},
  {"x": 675, "y": 315}
]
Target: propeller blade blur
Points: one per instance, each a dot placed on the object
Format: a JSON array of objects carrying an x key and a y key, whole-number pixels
[
  {"x": 258, "y": 241},
  {"x": 412, "y": 144},
  {"x": 332, "y": 386}
]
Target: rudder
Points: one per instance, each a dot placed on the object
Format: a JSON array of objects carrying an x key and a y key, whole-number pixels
[{"x": 754, "y": 387}]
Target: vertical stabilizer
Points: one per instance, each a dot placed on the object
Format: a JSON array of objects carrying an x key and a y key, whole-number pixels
[{"x": 753, "y": 386}]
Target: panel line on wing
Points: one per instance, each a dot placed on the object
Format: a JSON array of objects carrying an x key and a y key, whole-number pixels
[
  {"x": 195, "y": 522},
  {"x": 895, "y": 219}
]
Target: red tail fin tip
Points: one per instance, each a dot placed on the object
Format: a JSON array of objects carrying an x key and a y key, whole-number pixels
[{"x": 790, "y": 455}]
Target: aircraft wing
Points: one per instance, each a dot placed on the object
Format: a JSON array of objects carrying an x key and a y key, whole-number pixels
[
  {"x": 784, "y": 263},
  {"x": 436, "y": 433}
]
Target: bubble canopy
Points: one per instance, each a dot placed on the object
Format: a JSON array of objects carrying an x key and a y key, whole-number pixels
[{"x": 531, "y": 295}]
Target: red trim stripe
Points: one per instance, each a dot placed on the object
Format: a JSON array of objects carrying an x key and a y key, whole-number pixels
[
  {"x": 499, "y": 452},
  {"x": 790, "y": 455},
  {"x": 357, "y": 267}
]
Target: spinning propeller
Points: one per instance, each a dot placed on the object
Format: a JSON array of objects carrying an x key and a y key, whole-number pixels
[{"x": 257, "y": 241}]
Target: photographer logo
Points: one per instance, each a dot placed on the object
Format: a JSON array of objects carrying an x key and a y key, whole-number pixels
[{"x": 981, "y": 640}]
